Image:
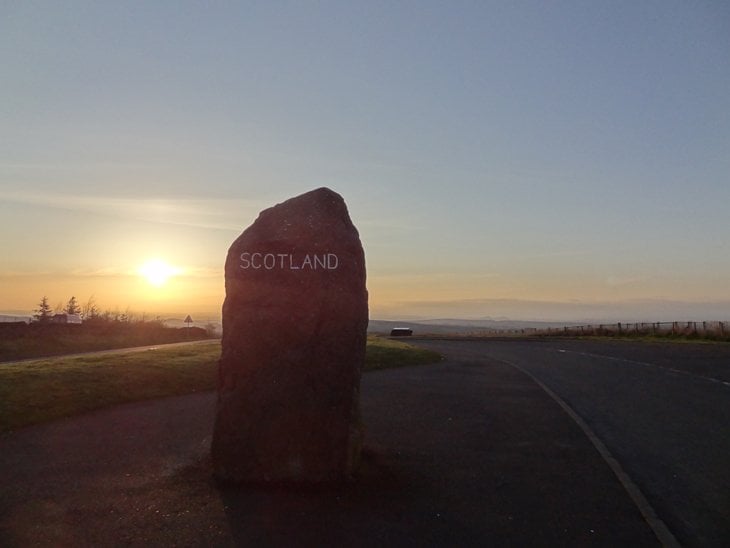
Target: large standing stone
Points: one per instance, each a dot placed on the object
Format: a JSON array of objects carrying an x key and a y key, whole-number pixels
[{"x": 294, "y": 331}]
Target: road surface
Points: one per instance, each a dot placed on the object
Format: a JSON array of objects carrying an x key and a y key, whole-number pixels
[
  {"x": 661, "y": 409},
  {"x": 465, "y": 452}
]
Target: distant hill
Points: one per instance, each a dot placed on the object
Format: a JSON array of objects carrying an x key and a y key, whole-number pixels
[{"x": 448, "y": 326}]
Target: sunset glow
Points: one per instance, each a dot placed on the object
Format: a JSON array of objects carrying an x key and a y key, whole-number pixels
[
  {"x": 522, "y": 160},
  {"x": 158, "y": 272}
]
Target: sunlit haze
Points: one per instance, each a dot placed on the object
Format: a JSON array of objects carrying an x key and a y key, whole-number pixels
[
  {"x": 530, "y": 160},
  {"x": 157, "y": 272}
]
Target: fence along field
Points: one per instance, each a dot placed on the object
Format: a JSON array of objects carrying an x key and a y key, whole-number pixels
[{"x": 713, "y": 330}]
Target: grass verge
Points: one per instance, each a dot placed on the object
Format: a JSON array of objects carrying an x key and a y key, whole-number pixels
[
  {"x": 387, "y": 353},
  {"x": 37, "y": 391},
  {"x": 18, "y": 342},
  {"x": 51, "y": 388},
  {"x": 649, "y": 339}
]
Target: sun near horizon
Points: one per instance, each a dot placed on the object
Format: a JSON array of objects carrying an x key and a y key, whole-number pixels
[
  {"x": 545, "y": 162},
  {"x": 157, "y": 272}
]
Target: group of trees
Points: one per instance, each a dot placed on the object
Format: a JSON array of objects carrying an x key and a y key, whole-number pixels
[
  {"x": 88, "y": 312},
  {"x": 91, "y": 314}
]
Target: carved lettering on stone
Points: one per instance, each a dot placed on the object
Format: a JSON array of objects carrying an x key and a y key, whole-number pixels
[{"x": 294, "y": 332}]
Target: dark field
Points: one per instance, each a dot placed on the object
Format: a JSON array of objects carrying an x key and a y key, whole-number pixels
[{"x": 21, "y": 341}]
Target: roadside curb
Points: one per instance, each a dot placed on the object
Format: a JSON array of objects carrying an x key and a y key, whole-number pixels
[{"x": 662, "y": 532}]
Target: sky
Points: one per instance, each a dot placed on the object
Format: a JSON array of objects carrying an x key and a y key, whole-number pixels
[{"x": 530, "y": 160}]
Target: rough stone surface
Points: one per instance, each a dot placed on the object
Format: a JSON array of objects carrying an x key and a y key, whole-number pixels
[{"x": 294, "y": 332}]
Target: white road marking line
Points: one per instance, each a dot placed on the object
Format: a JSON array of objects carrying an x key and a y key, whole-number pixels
[
  {"x": 647, "y": 364},
  {"x": 660, "y": 529}
]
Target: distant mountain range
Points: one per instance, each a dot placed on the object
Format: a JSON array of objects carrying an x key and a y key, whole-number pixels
[
  {"x": 443, "y": 326},
  {"x": 448, "y": 326}
]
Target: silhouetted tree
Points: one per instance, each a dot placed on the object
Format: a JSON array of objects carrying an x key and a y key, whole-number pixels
[
  {"x": 43, "y": 312},
  {"x": 89, "y": 311},
  {"x": 72, "y": 307}
]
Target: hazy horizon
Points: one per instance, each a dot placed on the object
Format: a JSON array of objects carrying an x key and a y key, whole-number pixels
[
  {"x": 534, "y": 161},
  {"x": 639, "y": 310}
]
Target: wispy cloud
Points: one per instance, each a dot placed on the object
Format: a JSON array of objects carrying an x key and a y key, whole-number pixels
[
  {"x": 202, "y": 272},
  {"x": 210, "y": 213},
  {"x": 621, "y": 281},
  {"x": 389, "y": 225},
  {"x": 24, "y": 274},
  {"x": 107, "y": 272}
]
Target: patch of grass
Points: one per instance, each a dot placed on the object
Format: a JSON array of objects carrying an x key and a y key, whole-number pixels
[
  {"x": 658, "y": 339},
  {"x": 386, "y": 353},
  {"x": 52, "y": 388},
  {"x": 37, "y": 340},
  {"x": 47, "y": 389}
]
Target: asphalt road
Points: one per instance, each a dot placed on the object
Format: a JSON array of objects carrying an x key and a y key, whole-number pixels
[
  {"x": 661, "y": 409},
  {"x": 466, "y": 452}
]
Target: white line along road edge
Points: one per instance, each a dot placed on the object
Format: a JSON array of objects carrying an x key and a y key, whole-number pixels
[{"x": 660, "y": 529}]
